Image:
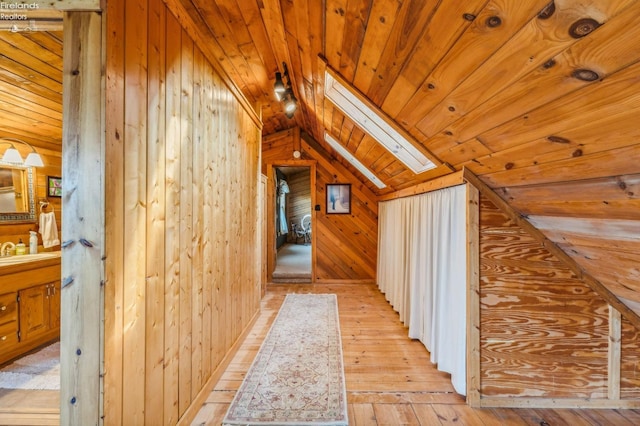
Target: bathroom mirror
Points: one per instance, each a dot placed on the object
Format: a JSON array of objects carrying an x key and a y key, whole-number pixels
[{"x": 17, "y": 194}]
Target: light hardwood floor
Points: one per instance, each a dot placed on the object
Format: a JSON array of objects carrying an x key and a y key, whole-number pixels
[{"x": 389, "y": 378}]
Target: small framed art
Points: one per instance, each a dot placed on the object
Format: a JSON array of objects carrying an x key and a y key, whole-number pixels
[
  {"x": 338, "y": 198},
  {"x": 54, "y": 186}
]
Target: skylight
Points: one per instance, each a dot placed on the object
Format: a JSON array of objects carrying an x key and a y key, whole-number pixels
[
  {"x": 375, "y": 125},
  {"x": 353, "y": 160}
]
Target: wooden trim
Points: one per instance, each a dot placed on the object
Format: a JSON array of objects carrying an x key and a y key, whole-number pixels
[
  {"x": 615, "y": 353},
  {"x": 442, "y": 182},
  {"x": 205, "y": 391},
  {"x": 264, "y": 226},
  {"x": 515, "y": 402},
  {"x": 178, "y": 10},
  {"x": 473, "y": 296},
  {"x": 270, "y": 243},
  {"x": 75, "y": 5},
  {"x": 581, "y": 274},
  {"x": 338, "y": 281},
  {"x": 83, "y": 219}
]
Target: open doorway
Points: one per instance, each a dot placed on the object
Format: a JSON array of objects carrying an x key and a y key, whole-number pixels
[
  {"x": 31, "y": 98},
  {"x": 293, "y": 224}
]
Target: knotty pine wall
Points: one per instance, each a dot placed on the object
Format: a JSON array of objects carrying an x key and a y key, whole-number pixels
[
  {"x": 544, "y": 332},
  {"x": 346, "y": 245},
  {"x": 299, "y": 199},
  {"x": 182, "y": 258}
]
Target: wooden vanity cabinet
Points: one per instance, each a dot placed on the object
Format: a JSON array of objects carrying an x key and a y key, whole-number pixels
[
  {"x": 39, "y": 310},
  {"x": 8, "y": 321},
  {"x": 29, "y": 306}
]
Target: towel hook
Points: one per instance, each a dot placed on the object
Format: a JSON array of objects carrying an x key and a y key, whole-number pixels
[{"x": 43, "y": 205}]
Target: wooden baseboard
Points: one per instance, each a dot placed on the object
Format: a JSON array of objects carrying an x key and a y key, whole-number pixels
[
  {"x": 496, "y": 402},
  {"x": 331, "y": 281},
  {"x": 204, "y": 393}
]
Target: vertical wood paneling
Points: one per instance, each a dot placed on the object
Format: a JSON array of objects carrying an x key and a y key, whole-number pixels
[
  {"x": 197, "y": 208},
  {"x": 172, "y": 221},
  {"x": 183, "y": 195},
  {"x": 114, "y": 211},
  {"x": 155, "y": 220},
  {"x": 299, "y": 199},
  {"x": 135, "y": 186},
  {"x": 186, "y": 230}
]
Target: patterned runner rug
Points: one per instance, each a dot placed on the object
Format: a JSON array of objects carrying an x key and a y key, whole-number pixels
[{"x": 297, "y": 377}]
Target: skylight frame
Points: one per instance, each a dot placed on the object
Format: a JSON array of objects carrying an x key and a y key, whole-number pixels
[
  {"x": 372, "y": 122},
  {"x": 344, "y": 152}
]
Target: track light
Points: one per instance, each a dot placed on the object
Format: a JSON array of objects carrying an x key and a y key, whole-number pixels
[
  {"x": 290, "y": 102},
  {"x": 284, "y": 93},
  {"x": 278, "y": 87}
]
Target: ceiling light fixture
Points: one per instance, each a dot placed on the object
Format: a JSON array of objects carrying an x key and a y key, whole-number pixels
[
  {"x": 353, "y": 160},
  {"x": 284, "y": 92},
  {"x": 373, "y": 121},
  {"x": 12, "y": 155}
]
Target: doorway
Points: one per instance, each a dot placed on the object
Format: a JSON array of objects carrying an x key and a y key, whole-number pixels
[{"x": 293, "y": 224}]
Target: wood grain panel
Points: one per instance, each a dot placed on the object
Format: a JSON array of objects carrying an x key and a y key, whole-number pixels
[
  {"x": 630, "y": 360},
  {"x": 544, "y": 333},
  {"x": 189, "y": 267}
]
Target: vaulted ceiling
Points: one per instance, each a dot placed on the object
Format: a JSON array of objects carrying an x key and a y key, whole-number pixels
[{"x": 540, "y": 99}]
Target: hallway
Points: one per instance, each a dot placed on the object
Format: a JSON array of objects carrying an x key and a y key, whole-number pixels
[
  {"x": 293, "y": 264},
  {"x": 389, "y": 378}
]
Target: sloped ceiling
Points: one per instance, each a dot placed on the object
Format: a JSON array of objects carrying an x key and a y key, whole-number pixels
[{"x": 540, "y": 99}]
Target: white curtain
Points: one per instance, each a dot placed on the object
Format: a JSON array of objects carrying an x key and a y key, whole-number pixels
[{"x": 422, "y": 272}]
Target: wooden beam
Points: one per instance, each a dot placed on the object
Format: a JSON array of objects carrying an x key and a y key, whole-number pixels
[
  {"x": 615, "y": 353},
  {"x": 75, "y": 5},
  {"x": 596, "y": 285},
  {"x": 473, "y": 296},
  {"x": 83, "y": 221},
  {"x": 452, "y": 179}
]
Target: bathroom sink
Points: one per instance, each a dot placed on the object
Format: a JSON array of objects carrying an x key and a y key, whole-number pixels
[{"x": 14, "y": 260}]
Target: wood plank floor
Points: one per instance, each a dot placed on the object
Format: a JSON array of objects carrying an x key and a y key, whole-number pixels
[{"x": 389, "y": 378}]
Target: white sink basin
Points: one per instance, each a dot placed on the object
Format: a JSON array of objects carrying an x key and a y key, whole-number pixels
[{"x": 14, "y": 260}]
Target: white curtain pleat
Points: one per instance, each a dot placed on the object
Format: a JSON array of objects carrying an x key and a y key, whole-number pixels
[{"x": 422, "y": 271}]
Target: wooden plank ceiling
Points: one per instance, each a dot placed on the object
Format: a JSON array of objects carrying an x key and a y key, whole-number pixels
[{"x": 538, "y": 98}]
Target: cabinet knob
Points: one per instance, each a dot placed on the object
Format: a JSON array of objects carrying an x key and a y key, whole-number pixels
[
  {"x": 3, "y": 308},
  {"x": 3, "y": 338}
]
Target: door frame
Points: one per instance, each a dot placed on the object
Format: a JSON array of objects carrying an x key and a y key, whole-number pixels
[{"x": 270, "y": 243}]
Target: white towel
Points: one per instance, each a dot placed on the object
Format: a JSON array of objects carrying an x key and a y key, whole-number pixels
[{"x": 49, "y": 229}]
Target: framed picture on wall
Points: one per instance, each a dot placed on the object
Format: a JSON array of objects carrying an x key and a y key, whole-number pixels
[
  {"x": 54, "y": 186},
  {"x": 338, "y": 198}
]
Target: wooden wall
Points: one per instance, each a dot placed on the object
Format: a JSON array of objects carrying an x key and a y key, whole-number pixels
[
  {"x": 346, "y": 245},
  {"x": 299, "y": 199},
  {"x": 182, "y": 268},
  {"x": 544, "y": 333}
]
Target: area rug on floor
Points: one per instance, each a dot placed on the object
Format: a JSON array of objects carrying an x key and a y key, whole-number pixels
[
  {"x": 297, "y": 377},
  {"x": 39, "y": 370}
]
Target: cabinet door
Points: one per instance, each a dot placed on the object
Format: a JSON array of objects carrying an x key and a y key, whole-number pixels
[
  {"x": 34, "y": 312},
  {"x": 54, "y": 305}
]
